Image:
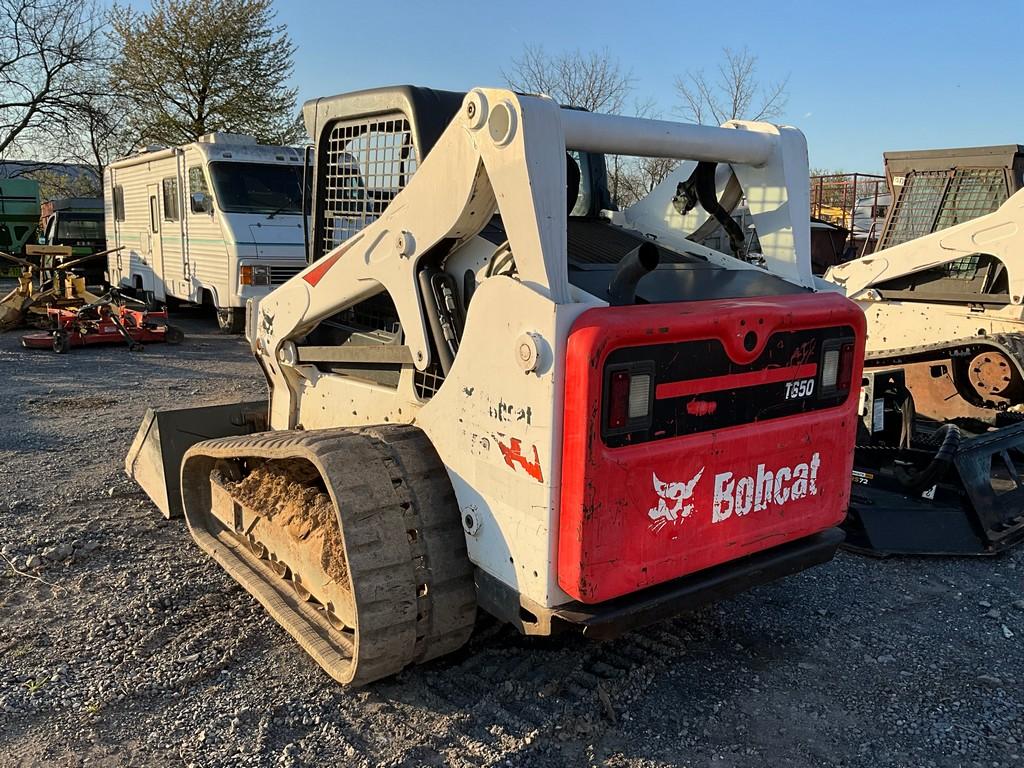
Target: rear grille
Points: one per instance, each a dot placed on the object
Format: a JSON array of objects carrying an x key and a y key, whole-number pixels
[
  {"x": 428, "y": 382},
  {"x": 282, "y": 274}
]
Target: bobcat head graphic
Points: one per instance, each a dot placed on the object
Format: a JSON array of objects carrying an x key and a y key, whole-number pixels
[{"x": 676, "y": 493}]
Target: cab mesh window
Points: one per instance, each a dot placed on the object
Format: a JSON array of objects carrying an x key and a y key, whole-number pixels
[
  {"x": 367, "y": 163},
  {"x": 973, "y": 192},
  {"x": 933, "y": 200}
]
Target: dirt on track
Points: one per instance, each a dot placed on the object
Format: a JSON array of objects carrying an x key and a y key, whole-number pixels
[
  {"x": 130, "y": 647},
  {"x": 289, "y": 495}
]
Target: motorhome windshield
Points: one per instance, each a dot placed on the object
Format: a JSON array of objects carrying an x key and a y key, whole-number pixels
[{"x": 257, "y": 187}]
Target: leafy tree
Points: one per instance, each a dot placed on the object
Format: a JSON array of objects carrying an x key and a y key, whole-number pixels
[
  {"x": 189, "y": 67},
  {"x": 57, "y": 181}
]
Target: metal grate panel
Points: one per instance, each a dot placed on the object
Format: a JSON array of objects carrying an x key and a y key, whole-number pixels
[
  {"x": 916, "y": 208},
  {"x": 367, "y": 164},
  {"x": 933, "y": 200},
  {"x": 428, "y": 382},
  {"x": 973, "y": 192}
]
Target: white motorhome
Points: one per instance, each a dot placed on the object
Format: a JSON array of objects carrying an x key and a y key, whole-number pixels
[{"x": 218, "y": 221}]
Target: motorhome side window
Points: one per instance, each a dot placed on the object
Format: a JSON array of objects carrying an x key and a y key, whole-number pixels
[
  {"x": 172, "y": 211},
  {"x": 197, "y": 185},
  {"x": 119, "y": 203}
]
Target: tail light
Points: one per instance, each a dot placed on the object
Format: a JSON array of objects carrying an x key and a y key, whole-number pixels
[
  {"x": 836, "y": 367},
  {"x": 628, "y": 397}
]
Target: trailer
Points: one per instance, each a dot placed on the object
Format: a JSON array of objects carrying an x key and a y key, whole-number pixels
[
  {"x": 19, "y": 216},
  {"x": 217, "y": 222}
]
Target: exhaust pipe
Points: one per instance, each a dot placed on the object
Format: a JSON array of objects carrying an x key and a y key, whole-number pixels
[{"x": 634, "y": 265}]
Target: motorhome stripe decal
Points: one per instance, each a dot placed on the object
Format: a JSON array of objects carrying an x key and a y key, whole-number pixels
[
  {"x": 671, "y": 389},
  {"x": 316, "y": 274}
]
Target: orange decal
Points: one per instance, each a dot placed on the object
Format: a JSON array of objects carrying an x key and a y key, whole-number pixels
[
  {"x": 701, "y": 407},
  {"x": 513, "y": 454},
  {"x": 314, "y": 276}
]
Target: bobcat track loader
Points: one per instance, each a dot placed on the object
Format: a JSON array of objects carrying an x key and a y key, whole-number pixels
[{"x": 488, "y": 391}]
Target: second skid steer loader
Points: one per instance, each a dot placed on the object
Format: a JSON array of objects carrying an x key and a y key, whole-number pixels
[
  {"x": 940, "y": 461},
  {"x": 486, "y": 391}
]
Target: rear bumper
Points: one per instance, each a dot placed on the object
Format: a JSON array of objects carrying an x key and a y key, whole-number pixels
[{"x": 614, "y": 617}]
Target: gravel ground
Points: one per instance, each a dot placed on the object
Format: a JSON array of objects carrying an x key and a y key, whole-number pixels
[{"x": 120, "y": 644}]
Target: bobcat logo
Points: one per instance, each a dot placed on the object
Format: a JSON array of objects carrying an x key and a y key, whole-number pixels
[{"x": 662, "y": 514}]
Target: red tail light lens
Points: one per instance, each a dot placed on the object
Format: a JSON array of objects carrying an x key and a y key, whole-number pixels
[
  {"x": 628, "y": 397},
  {"x": 618, "y": 399},
  {"x": 845, "y": 366}
]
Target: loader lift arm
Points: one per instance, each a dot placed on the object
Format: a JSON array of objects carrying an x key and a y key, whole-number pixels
[{"x": 505, "y": 152}]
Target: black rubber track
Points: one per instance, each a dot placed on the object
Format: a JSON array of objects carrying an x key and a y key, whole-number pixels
[{"x": 411, "y": 578}]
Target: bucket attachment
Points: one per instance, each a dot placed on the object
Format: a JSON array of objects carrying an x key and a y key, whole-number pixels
[
  {"x": 976, "y": 509},
  {"x": 154, "y": 460}
]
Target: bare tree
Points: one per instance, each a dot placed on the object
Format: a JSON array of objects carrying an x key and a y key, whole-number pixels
[
  {"x": 733, "y": 93},
  {"x": 637, "y": 176},
  {"x": 98, "y": 133},
  {"x": 594, "y": 81},
  {"x": 47, "y": 49},
  {"x": 194, "y": 66},
  {"x": 631, "y": 178}
]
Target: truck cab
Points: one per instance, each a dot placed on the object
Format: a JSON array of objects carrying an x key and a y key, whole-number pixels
[{"x": 77, "y": 222}]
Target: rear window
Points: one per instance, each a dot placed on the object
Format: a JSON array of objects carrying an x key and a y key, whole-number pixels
[{"x": 85, "y": 228}]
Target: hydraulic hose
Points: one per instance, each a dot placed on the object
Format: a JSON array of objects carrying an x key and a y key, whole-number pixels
[
  {"x": 919, "y": 482},
  {"x": 701, "y": 188}
]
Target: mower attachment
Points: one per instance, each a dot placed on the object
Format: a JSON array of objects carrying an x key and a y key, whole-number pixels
[
  {"x": 107, "y": 320},
  {"x": 154, "y": 460},
  {"x": 977, "y": 509}
]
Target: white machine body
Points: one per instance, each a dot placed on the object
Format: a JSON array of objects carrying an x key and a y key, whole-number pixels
[{"x": 505, "y": 153}]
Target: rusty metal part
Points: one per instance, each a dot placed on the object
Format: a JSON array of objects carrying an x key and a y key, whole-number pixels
[
  {"x": 407, "y": 593},
  {"x": 936, "y": 395},
  {"x": 991, "y": 374},
  {"x": 973, "y": 378}
]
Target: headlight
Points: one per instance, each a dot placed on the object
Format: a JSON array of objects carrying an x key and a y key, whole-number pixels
[{"x": 255, "y": 274}]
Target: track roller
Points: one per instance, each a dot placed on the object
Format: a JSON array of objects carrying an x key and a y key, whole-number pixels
[{"x": 350, "y": 539}]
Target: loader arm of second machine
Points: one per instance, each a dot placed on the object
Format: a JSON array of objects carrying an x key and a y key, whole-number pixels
[{"x": 999, "y": 234}]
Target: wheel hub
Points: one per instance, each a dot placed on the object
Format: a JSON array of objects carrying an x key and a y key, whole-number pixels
[{"x": 991, "y": 374}]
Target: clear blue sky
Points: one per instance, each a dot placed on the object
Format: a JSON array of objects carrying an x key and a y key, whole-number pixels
[{"x": 865, "y": 77}]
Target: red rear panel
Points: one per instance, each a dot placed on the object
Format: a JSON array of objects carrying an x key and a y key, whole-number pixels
[{"x": 745, "y": 444}]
